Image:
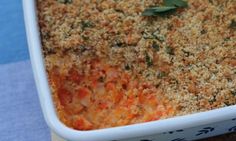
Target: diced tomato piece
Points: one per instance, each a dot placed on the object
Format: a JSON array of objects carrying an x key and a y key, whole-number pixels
[
  {"x": 158, "y": 114},
  {"x": 133, "y": 84},
  {"x": 152, "y": 102},
  {"x": 56, "y": 78},
  {"x": 129, "y": 102},
  {"x": 83, "y": 92},
  {"x": 80, "y": 123},
  {"x": 112, "y": 74},
  {"x": 74, "y": 108},
  {"x": 95, "y": 64},
  {"x": 131, "y": 116},
  {"x": 146, "y": 85},
  {"x": 110, "y": 86},
  {"x": 74, "y": 76},
  {"x": 152, "y": 118},
  {"x": 141, "y": 98},
  {"x": 125, "y": 78},
  {"x": 94, "y": 83},
  {"x": 83, "y": 96},
  {"x": 118, "y": 97},
  {"x": 103, "y": 105},
  {"x": 65, "y": 96}
]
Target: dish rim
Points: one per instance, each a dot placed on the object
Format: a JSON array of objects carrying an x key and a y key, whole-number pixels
[{"x": 122, "y": 132}]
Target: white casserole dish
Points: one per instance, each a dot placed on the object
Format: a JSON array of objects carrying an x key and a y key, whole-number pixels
[{"x": 184, "y": 128}]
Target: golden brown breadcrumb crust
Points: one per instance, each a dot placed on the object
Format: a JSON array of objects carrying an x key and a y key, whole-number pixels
[{"x": 190, "y": 55}]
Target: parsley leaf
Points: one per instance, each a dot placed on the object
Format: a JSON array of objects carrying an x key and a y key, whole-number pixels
[
  {"x": 168, "y": 6},
  {"x": 155, "y": 10}
]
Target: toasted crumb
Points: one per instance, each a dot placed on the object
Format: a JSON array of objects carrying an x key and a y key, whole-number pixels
[{"x": 118, "y": 59}]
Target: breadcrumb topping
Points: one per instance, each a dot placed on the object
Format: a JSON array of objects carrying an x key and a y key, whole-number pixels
[{"x": 110, "y": 66}]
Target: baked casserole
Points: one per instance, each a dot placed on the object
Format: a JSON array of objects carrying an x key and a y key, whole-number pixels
[{"x": 109, "y": 65}]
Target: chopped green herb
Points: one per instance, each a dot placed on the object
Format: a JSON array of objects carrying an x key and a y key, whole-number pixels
[
  {"x": 210, "y": 1},
  {"x": 65, "y": 1},
  {"x": 147, "y": 75},
  {"x": 212, "y": 100},
  {"x": 86, "y": 24},
  {"x": 85, "y": 37},
  {"x": 233, "y": 93},
  {"x": 227, "y": 103},
  {"x": 186, "y": 53},
  {"x": 161, "y": 74},
  {"x": 233, "y": 25},
  {"x": 158, "y": 36},
  {"x": 118, "y": 43},
  {"x": 170, "y": 50},
  {"x": 82, "y": 48},
  {"x": 66, "y": 35},
  {"x": 161, "y": 38},
  {"x": 119, "y": 10},
  {"x": 127, "y": 67},
  {"x": 157, "y": 85},
  {"x": 149, "y": 61},
  {"x": 156, "y": 33},
  {"x": 155, "y": 46},
  {"x": 203, "y": 31},
  {"x": 49, "y": 51},
  {"x": 227, "y": 39},
  {"x": 147, "y": 35}
]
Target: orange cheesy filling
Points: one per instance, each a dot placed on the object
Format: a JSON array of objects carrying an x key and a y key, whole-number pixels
[{"x": 107, "y": 97}]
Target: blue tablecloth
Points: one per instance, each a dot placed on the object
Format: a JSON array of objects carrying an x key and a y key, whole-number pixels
[{"x": 20, "y": 114}]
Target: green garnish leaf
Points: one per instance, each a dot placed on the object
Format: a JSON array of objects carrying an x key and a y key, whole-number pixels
[
  {"x": 157, "y": 10},
  {"x": 177, "y": 3},
  {"x": 168, "y": 6}
]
